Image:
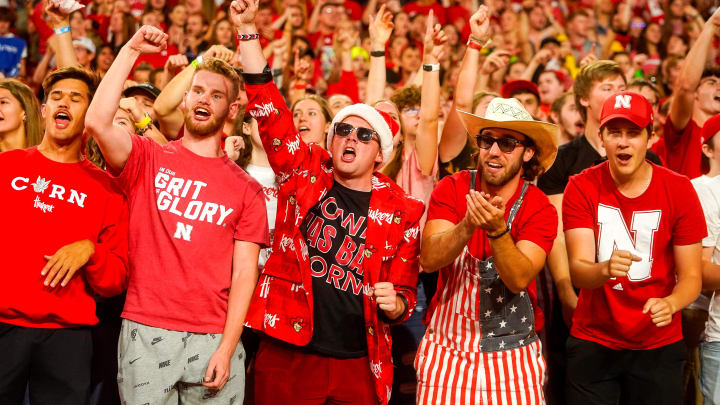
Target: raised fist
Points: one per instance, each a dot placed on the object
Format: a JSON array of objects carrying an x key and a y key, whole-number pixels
[
  {"x": 148, "y": 39},
  {"x": 242, "y": 12},
  {"x": 480, "y": 23},
  {"x": 219, "y": 52}
]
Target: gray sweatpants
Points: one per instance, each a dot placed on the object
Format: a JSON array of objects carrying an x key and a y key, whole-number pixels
[{"x": 160, "y": 366}]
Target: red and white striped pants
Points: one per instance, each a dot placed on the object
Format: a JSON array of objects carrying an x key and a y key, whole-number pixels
[{"x": 447, "y": 376}]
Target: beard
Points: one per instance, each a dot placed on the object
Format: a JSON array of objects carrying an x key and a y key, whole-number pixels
[
  {"x": 206, "y": 128},
  {"x": 502, "y": 178}
]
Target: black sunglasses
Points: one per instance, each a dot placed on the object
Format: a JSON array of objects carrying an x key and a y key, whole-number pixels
[
  {"x": 363, "y": 134},
  {"x": 506, "y": 144}
]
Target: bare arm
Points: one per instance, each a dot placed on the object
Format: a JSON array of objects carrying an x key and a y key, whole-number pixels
[
  {"x": 427, "y": 136},
  {"x": 43, "y": 67},
  {"x": 313, "y": 22},
  {"x": 687, "y": 82},
  {"x": 442, "y": 242},
  {"x": 454, "y": 136},
  {"x": 380, "y": 29},
  {"x": 114, "y": 142},
  {"x": 558, "y": 262},
  {"x": 710, "y": 270},
  {"x": 62, "y": 43},
  {"x": 688, "y": 265},
  {"x": 370, "y": 8},
  {"x": 242, "y": 286}
]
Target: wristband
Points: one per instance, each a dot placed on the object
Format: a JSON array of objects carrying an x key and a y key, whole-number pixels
[
  {"x": 197, "y": 61},
  {"x": 474, "y": 45},
  {"x": 377, "y": 54},
  {"x": 144, "y": 122},
  {"x": 507, "y": 229},
  {"x": 432, "y": 67},
  {"x": 247, "y": 37},
  {"x": 300, "y": 86},
  {"x": 61, "y": 30}
]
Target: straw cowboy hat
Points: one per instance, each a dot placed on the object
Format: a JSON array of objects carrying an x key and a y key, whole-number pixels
[{"x": 508, "y": 113}]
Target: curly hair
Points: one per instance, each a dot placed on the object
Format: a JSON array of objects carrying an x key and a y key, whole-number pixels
[{"x": 406, "y": 97}]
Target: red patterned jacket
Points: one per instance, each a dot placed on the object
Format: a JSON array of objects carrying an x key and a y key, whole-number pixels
[{"x": 282, "y": 305}]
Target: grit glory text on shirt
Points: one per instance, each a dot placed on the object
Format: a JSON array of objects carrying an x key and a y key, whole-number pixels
[{"x": 172, "y": 195}]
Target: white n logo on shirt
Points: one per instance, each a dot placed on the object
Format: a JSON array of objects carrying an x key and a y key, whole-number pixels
[
  {"x": 183, "y": 231},
  {"x": 623, "y": 101},
  {"x": 614, "y": 235}
]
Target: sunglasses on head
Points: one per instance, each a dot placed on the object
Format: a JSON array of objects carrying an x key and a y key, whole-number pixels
[
  {"x": 363, "y": 134},
  {"x": 506, "y": 144}
]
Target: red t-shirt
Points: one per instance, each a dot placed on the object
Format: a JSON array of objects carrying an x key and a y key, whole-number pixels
[
  {"x": 685, "y": 148},
  {"x": 413, "y": 8},
  {"x": 668, "y": 213},
  {"x": 186, "y": 213},
  {"x": 536, "y": 221},
  {"x": 48, "y": 205}
]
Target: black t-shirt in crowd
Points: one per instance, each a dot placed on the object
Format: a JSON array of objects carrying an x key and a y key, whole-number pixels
[
  {"x": 572, "y": 158},
  {"x": 335, "y": 233}
]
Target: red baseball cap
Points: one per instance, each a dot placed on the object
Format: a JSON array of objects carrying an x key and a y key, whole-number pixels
[
  {"x": 513, "y": 86},
  {"x": 627, "y": 105},
  {"x": 711, "y": 127}
]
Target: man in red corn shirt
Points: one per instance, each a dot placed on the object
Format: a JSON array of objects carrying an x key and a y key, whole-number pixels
[
  {"x": 65, "y": 237},
  {"x": 633, "y": 232}
]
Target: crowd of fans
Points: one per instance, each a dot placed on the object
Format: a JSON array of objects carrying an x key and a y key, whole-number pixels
[{"x": 287, "y": 86}]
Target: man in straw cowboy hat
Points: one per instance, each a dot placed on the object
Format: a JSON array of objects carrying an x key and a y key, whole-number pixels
[
  {"x": 633, "y": 232},
  {"x": 488, "y": 231}
]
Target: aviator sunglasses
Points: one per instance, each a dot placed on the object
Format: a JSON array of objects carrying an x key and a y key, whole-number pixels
[
  {"x": 506, "y": 144},
  {"x": 363, "y": 134}
]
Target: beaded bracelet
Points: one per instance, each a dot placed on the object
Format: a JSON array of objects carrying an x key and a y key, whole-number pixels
[
  {"x": 61, "y": 30},
  {"x": 247, "y": 37}
]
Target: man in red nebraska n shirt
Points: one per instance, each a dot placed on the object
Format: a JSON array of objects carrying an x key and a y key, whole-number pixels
[
  {"x": 696, "y": 98},
  {"x": 65, "y": 238},
  {"x": 196, "y": 227},
  {"x": 633, "y": 231}
]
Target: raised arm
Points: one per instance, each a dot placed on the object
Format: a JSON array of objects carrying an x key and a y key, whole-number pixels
[
  {"x": 167, "y": 104},
  {"x": 380, "y": 29},
  {"x": 114, "y": 142},
  {"x": 62, "y": 42},
  {"x": 454, "y": 137},
  {"x": 689, "y": 79},
  {"x": 427, "y": 137},
  {"x": 313, "y": 21},
  {"x": 281, "y": 140}
]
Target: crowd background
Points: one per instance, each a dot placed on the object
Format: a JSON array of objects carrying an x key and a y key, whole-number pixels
[{"x": 327, "y": 54}]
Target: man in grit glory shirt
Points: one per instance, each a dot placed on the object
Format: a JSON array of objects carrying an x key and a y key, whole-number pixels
[
  {"x": 489, "y": 232},
  {"x": 196, "y": 226},
  {"x": 633, "y": 232},
  {"x": 65, "y": 238},
  {"x": 344, "y": 263}
]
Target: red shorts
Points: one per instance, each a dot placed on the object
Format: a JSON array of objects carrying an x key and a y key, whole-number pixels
[{"x": 284, "y": 375}]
